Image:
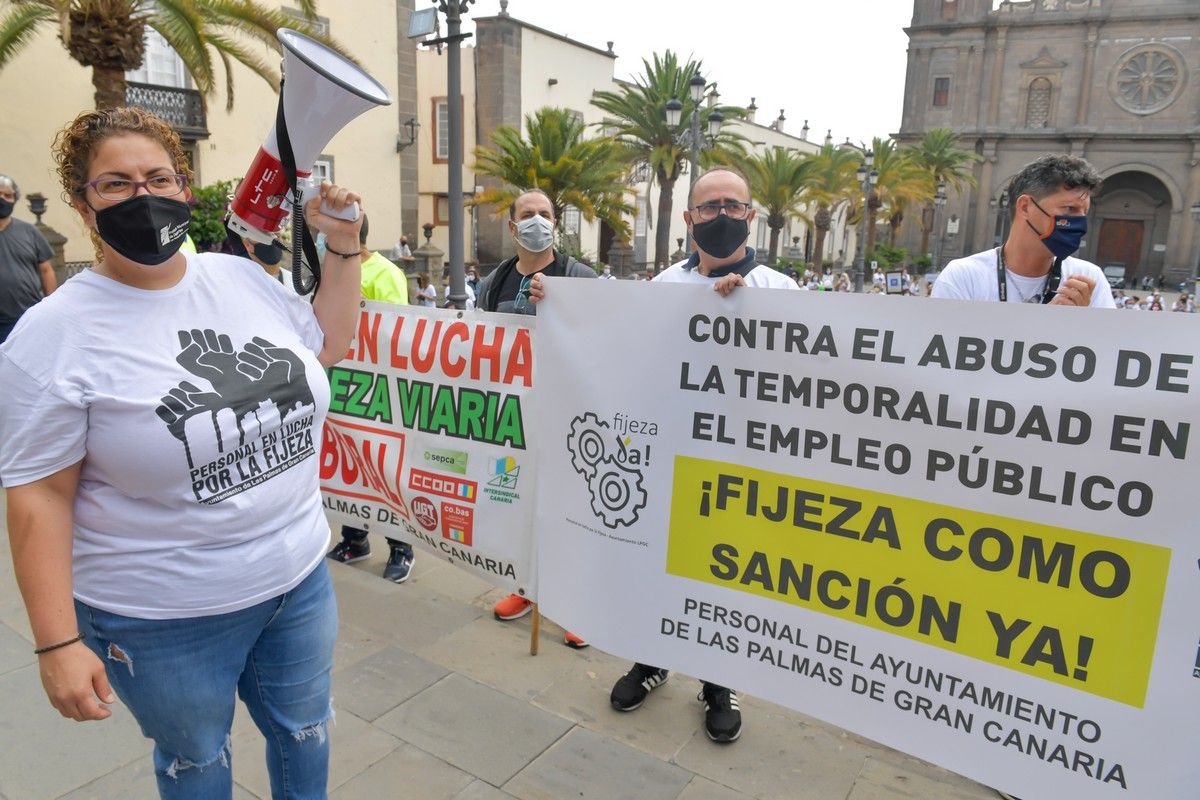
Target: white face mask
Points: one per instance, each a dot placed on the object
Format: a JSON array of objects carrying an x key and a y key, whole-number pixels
[{"x": 535, "y": 234}]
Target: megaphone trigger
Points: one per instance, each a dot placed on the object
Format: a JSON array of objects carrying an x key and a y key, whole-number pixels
[{"x": 309, "y": 190}]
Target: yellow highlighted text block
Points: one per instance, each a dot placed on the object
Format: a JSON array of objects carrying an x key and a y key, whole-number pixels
[{"x": 1068, "y": 606}]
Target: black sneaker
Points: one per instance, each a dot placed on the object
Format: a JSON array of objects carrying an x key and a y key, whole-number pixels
[
  {"x": 347, "y": 552},
  {"x": 399, "y": 564},
  {"x": 630, "y": 691},
  {"x": 722, "y": 715}
]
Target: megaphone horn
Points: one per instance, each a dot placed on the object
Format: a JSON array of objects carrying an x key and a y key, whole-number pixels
[{"x": 322, "y": 92}]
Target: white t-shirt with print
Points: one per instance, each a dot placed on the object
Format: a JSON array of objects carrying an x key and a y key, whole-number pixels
[
  {"x": 197, "y": 412},
  {"x": 760, "y": 277},
  {"x": 974, "y": 278}
]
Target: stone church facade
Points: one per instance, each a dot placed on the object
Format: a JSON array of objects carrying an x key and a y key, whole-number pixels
[{"x": 1114, "y": 81}]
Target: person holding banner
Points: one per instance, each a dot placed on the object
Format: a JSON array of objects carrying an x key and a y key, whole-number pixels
[
  {"x": 384, "y": 282},
  {"x": 718, "y": 217},
  {"x": 160, "y": 419},
  {"x": 514, "y": 287},
  {"x": 1051, "y": 198}
]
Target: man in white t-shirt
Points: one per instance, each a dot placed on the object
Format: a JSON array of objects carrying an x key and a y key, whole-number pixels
[
  {"x": 1050, "y": 201},
  {"x": 719, "y": 215}
]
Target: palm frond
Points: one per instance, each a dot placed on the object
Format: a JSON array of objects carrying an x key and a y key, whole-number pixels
[{"x": 18, "y": 28}]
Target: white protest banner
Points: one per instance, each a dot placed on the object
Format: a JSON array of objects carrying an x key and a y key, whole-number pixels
[
  {"x": 964, "y": 530},
  {"x": 427, "y": 439}
]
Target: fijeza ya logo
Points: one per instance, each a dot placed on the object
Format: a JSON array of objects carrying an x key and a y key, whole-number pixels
[{"x": 605, "y": 457}]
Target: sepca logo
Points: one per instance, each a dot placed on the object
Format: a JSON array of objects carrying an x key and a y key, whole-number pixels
[
  {"x": 611, "y": 466},
  {"x": 504, "y": 472},
  {"x": 457, "y": 523},
  {"x": 426, "y": 513},
  {"x": 447, "y": 460},
  {"x": 441, "y": 485}
]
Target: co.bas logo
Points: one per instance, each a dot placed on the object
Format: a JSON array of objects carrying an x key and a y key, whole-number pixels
[{"x": 611, "y": 461}]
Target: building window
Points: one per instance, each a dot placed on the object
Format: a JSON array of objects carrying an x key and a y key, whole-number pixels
[
  {"x": 571, "y": 221},
  {"x": 639, "y": 221},
  {"x": 941, "y": 92},
  {"x": 1037, "y": 106},
  {"x": 441, "y": 209},
  {"x": 323, "y": 169},
  {"x": 318, "y": 24},
  {"x": 441, "y": 130},
  {"x": 161, "y": 65},
  {"x": 949, "y": 10}
]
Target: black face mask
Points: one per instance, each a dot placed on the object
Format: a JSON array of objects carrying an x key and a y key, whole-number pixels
[
  {"x": 269, "y": 254},
  {"x": 722, "y": 236},
  {"x": 145, "y": 229},
  {"x": 6, "y": 208}
]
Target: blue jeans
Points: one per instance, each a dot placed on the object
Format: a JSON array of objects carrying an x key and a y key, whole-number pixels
[{"x": 180, "y": 679}]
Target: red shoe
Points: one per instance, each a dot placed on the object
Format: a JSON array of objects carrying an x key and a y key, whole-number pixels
[
  {"x": 512, "y": 607},
  {"x": 573, "y": 641}
]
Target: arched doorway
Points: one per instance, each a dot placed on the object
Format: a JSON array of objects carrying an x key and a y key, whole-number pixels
[{"x": 1130, "y": 220}]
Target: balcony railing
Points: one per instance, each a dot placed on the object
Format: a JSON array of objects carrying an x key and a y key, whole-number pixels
[{"x": 183, "y": 108}]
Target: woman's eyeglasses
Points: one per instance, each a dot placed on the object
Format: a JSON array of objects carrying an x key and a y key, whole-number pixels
[{"x": 123, "y": 189}]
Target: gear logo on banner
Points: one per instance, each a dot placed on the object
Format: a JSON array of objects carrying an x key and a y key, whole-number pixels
[{"x": 609, "y": 466}]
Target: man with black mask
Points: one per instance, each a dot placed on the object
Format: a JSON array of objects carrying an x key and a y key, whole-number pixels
[
  {"x": 26, "y": 274},
  {"x": 718, "y": 216},
  {"x": 1050, "y": 201}
]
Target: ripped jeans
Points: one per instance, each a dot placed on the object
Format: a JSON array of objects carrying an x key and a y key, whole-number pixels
[{"x": 179, "y": 678}]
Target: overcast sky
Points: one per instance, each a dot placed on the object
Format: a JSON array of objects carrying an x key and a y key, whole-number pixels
[{"x": 839, "y": 64}]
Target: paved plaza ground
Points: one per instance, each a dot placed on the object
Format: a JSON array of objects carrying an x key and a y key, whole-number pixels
[{"x": 435, "y": 699}]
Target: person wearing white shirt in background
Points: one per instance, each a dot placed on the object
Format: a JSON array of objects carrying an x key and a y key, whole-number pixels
[{"x": 1051, "y": 199}]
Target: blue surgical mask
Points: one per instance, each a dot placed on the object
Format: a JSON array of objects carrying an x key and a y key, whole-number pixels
[
  {"x": 1066, "y": 235},
  {"x": 320, "y": 242}
]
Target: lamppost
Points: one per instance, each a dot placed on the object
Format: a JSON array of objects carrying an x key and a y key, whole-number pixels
[
  {"x": 454, "y": 9},
  {"x": 1195, "y": 248},
  {"x": 692, "y": 137},
  {"x": 867, "y": 178},
  {"x": 939, "y": 202},
  {"x": 1003, "y": 218}
]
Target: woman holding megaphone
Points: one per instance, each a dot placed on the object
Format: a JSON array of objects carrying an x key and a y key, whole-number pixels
[{"x": 160, "y": 421}]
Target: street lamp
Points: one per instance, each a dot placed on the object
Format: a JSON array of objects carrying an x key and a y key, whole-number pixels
[
  {"x": 867, "y": 178},
  {"x": 1004, "y": 199},
  {"x": 1195, "y": 247},
  {"x": 939, "y": 202},
  {"x": 454, "y": 9},
  {"x": 692, "y": 137}
]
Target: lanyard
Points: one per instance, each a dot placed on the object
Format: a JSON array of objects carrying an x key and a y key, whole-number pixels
[{"x": 1048, "y": 291}]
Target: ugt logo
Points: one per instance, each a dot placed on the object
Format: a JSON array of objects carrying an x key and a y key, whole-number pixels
[{"x": 601, "y": 456}]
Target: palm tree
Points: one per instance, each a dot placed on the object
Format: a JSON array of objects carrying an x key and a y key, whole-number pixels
[
  {"x": 778, "y": 180},
  {"x": 831, "y": 181},
  {"x": 109, "y": 37},
  {"x": 939, "y": 154},
  {"x": 639, "y": 121},
  {"x": 555, "y": 157},
  {"x": 901, "y": 182}
]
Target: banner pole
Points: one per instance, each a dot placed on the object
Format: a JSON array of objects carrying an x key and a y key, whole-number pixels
[{"x": 536, "y": 630}]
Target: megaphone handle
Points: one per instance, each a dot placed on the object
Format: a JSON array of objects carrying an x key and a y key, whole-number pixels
[{"x": 309, "y": 190}]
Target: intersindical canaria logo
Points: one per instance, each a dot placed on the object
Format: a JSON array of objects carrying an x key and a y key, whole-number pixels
[{"x": 608, "y": 461}]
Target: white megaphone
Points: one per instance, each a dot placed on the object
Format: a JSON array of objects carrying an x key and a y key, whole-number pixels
[{"x": 322, "y": 92}]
